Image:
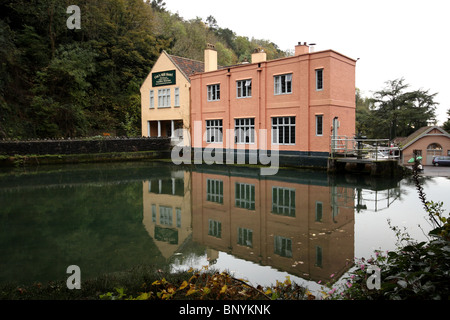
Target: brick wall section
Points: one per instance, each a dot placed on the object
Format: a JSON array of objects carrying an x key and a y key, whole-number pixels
[{"x": 83, "y": 146}]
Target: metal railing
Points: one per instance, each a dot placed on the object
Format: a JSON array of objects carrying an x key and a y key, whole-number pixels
[{"x": 373, "y": 149}]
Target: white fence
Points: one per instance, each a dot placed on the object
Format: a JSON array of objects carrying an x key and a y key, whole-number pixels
[{"x": 372, "y": 149}]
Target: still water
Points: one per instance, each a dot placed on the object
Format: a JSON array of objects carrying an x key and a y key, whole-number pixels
[{"x": 112, "y": 217}]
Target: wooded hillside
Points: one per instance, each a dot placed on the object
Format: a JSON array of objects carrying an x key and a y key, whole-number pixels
[{"x": 60, "y": 82}]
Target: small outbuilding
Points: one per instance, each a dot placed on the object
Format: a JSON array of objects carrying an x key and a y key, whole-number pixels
[{"x": 427, "y": 142}]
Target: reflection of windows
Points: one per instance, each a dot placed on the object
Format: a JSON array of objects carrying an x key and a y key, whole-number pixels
[
  {"x": 178, "y": 212},
  {"x": 173, "y": 186},
  {"x": 165, "y": 215},
  {"x": 244, "y": 130},
  {"x": 283, "y": 246},
  {"x": 319, "y": 211},
  {"x": 283, "y": 130},
  {"x": 214, "y": 190},
  {"x": 215, "y": 228},
  {"x": 245, "y": 237},
  {"x": 244, "y": 196},
  {"x": 319, "y": 256},
  {"x": 153, "y": 212},
  {"x": 283, "y": 201}
]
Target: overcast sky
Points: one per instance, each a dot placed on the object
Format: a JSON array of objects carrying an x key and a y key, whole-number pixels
[{"x": 391, "y": 38}]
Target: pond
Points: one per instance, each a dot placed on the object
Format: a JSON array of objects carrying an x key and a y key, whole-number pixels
[{"x": 111, "y": 217}]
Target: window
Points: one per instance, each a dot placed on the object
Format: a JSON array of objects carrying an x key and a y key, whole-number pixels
[
  {"x": 214, "y": 190},
  {"x": 283, "y": 130},
  {"x": 165, "y": 215},
  {"x": 177, "y": 97},
  {"x": 152, "y": 99},
  {"x": 153, "y": 212},
  {"x": 215, "y": 228},
  {"x": 283, "y": 84},
  {"x": 245, "y": 237},
  {"x": 319, "y": 256},
  {"x": 319, "y": 79},
  {"x": 163, "y": 98},
  {"x": 214, "y": 131},
  {"x": 283, "y": 201},
  {"x": 244, "y": 196},
  {"x": 319, "y": 125},
  {"x": 283, "y": 246},
  {"x": 244, "y": 130},
  {"x": 319, "y": 211},
  {"x": 244, "y": 88},
  {"x": 214, "y": 92},
  {"x": 178, "y": 212}
]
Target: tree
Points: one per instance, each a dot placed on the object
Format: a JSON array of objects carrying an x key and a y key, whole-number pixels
[
  {"x": 397, "y": 112},
  {"x": 446, "y": 125}
]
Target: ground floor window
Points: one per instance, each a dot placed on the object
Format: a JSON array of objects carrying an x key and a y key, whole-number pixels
[
  {"x": 244, "y": 130},
  {"x": 283, "y": 130},
  {"x": 214, "y": 131}
]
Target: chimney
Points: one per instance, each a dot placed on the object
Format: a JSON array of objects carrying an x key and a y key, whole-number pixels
[
  {"x": 258, "y": 55},
  {"x": 210, "y": 58},
  {"x": 301, "y": 48}
]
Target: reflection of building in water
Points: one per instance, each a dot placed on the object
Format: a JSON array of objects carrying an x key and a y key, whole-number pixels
[
  {"x": 298, "y": 228},
  {"x": 167, "y": 211}
]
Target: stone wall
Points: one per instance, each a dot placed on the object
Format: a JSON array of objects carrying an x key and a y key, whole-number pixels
[{"x": 107, "y": 145}]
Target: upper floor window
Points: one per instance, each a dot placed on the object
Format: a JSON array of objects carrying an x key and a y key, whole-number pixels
[
  {"x": 214, "y": 92},
  {"x": 283, "y": 84},
  {"x": 177, "y": 97},
  {"x": 319, "y": 79},
  {"x": 244, "y": 88},
  {"x": 163, "y": 98},
  {"x": 152, "y": 99}
]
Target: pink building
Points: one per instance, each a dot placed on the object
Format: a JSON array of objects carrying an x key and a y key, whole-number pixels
[{"x": 300, "y": 101}]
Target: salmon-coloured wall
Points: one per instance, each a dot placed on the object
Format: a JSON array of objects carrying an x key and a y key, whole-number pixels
[{"x": 336, "y": 99}]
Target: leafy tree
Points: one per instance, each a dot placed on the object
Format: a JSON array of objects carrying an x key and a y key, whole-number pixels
[
  {"x": 446, "y": 125},
  {"x": 397, "y": 112}
]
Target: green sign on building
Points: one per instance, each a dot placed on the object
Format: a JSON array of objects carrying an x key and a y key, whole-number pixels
[{"x": 164, "y": 78}]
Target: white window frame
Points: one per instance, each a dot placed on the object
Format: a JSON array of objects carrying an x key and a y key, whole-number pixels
[
  {"x": 214, "y": 190},
  {"x": 244, "y": 130},
  {"x": 319, "y": 133},
  {"x": 319, "y": 79},
  {"x": 283, "y": 246},
  {"x": 166, "y": 215},
  {"x": 213, "y": 91},
  {"x": 244, "y": 89},
  {"x": 164, "y": 98},
  {"x": 244, "y": 195},
  {"x": 283, "y": 84},
  {"x": 214, "y": 131},
  {"x": 245, "y": 237},
  {"x": 285, "y": 126},
  {"x": 152, "y": 99},
  {"x": 176, "y": 97},
  {"x": 215, "y": 228},
  {"x": 283, "y": 201}
]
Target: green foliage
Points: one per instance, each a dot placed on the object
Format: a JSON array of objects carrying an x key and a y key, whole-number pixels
[
  {"x": 58, "y": 82},
  {"x": 394, "y": 111}
]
